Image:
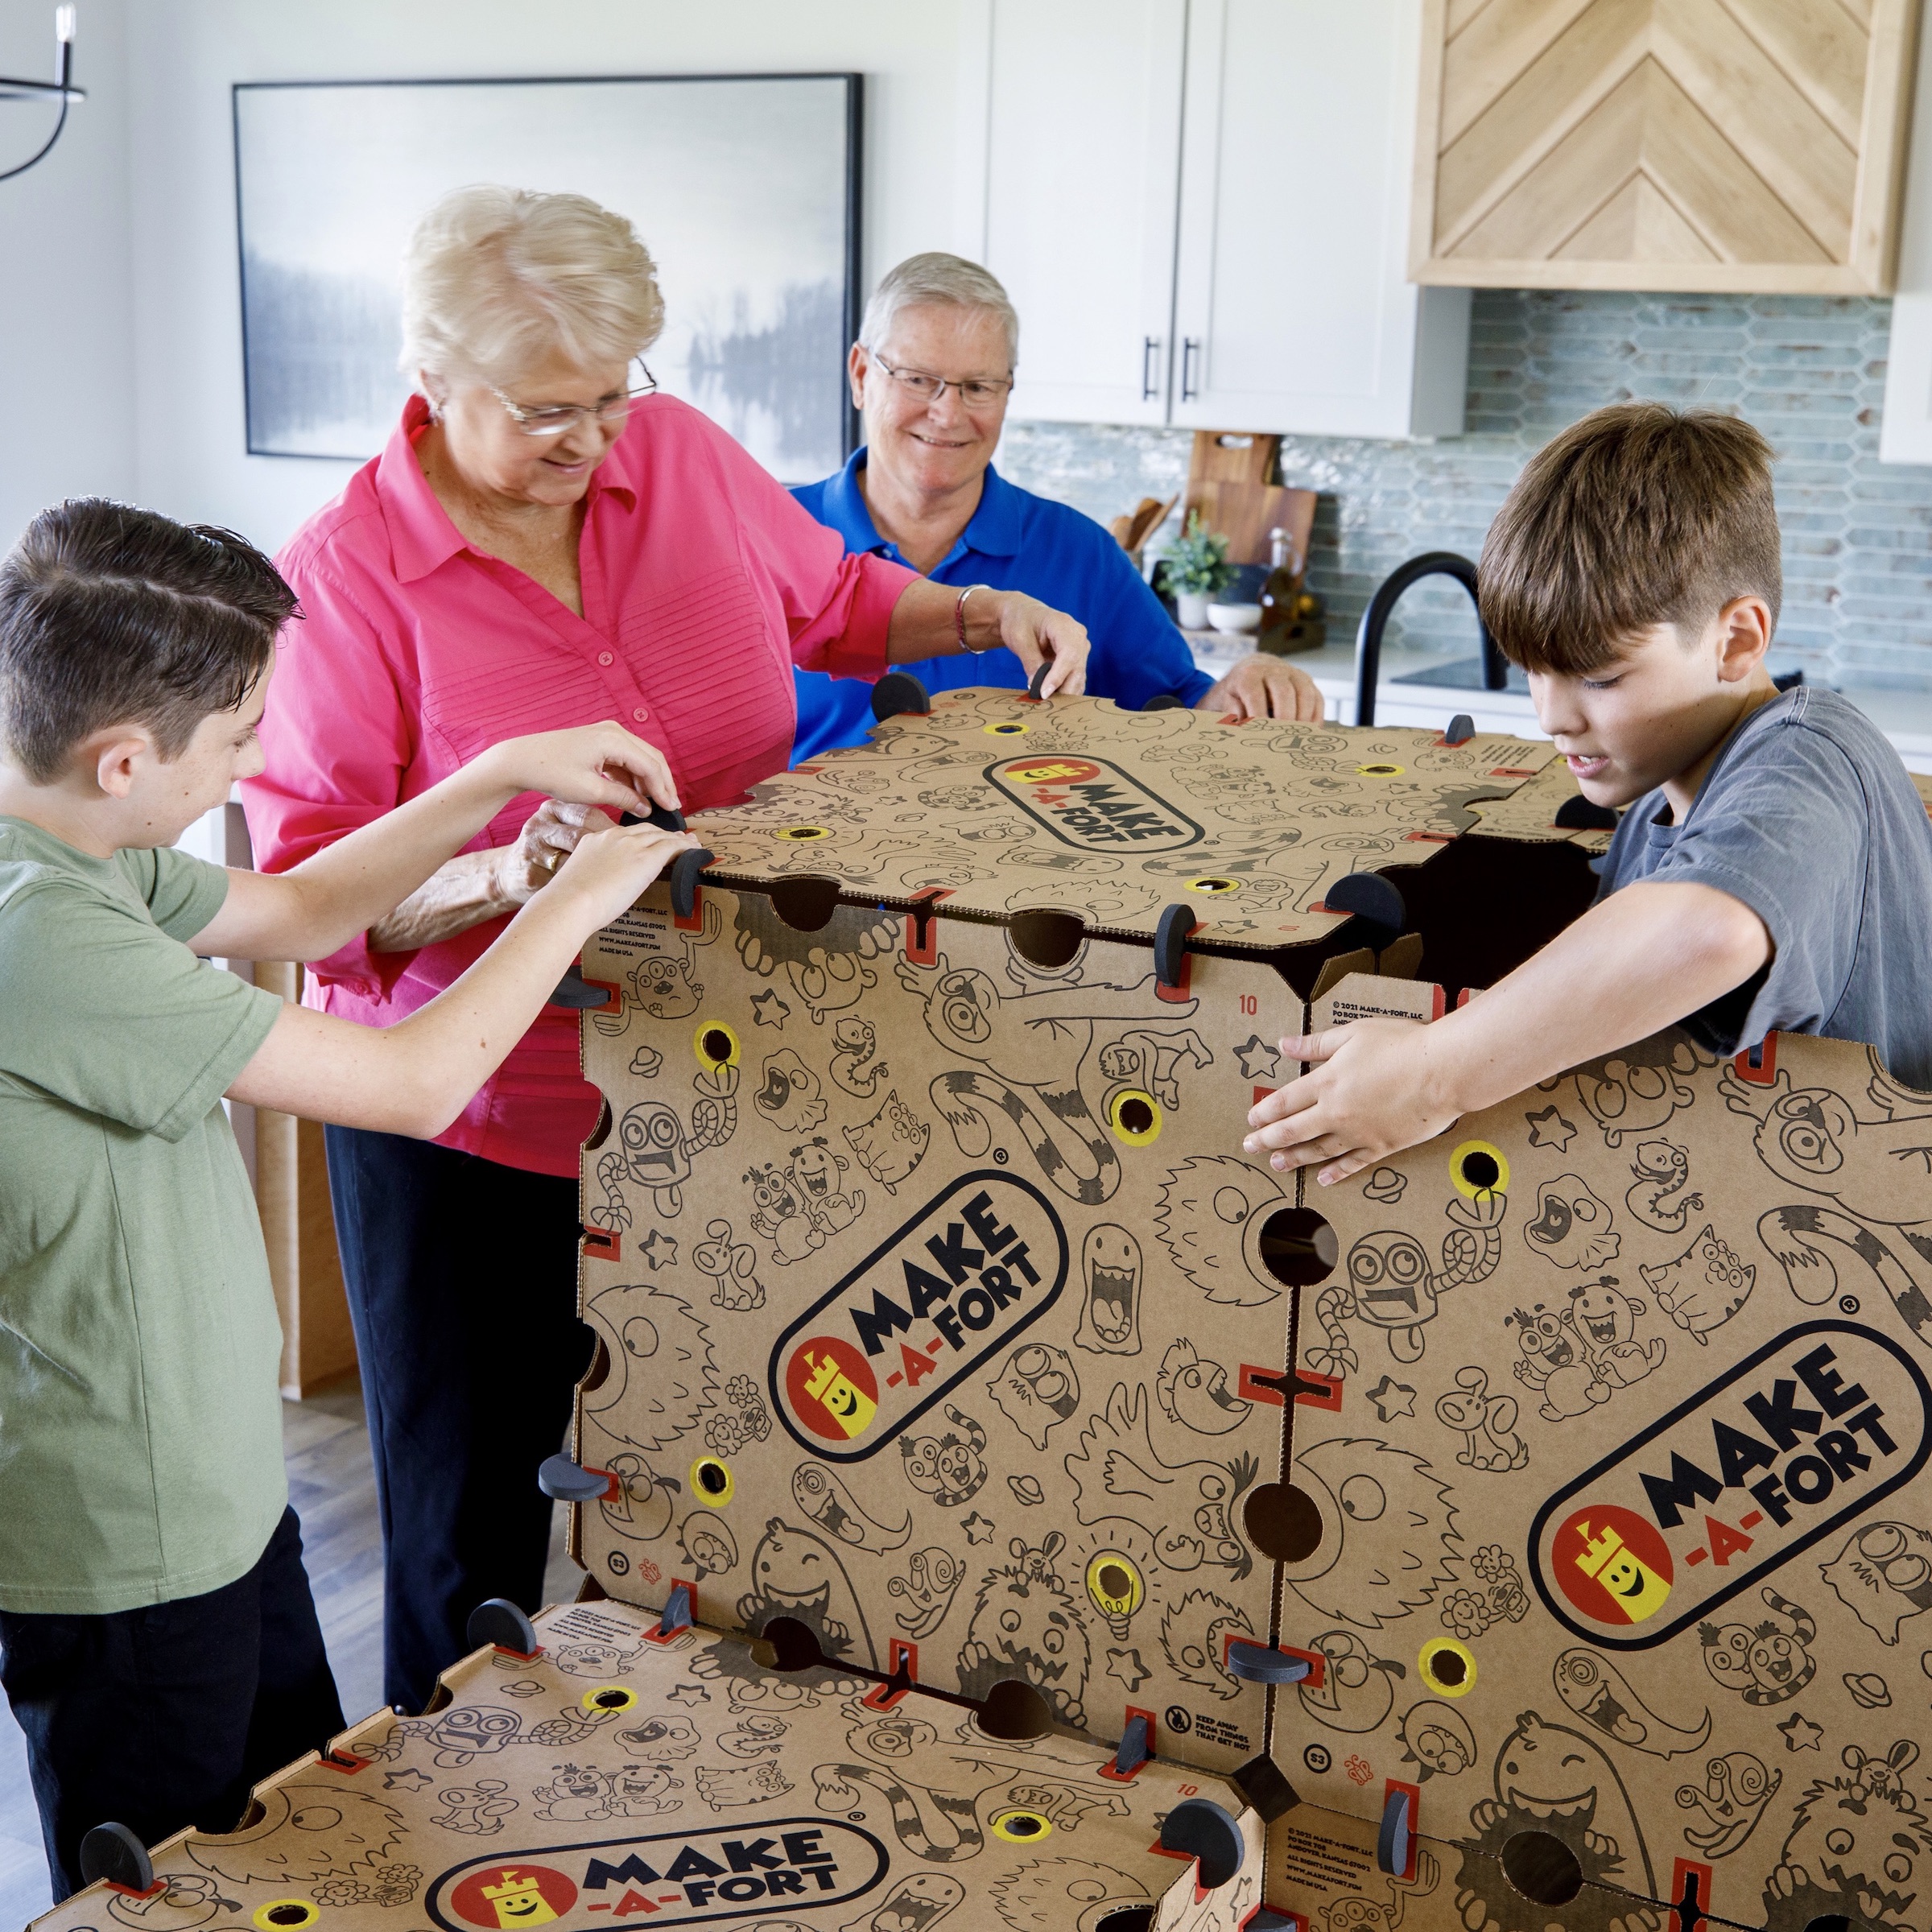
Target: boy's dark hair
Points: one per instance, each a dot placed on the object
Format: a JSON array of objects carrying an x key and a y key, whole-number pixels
[
  {"x": 110, "y": 615},
  {"x": 1637, "y": 515}
]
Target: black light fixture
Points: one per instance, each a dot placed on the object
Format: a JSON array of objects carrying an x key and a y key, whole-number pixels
[{"x": 60, "y": 88}]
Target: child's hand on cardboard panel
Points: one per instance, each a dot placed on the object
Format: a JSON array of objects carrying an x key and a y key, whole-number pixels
[
  {"x": 591, "y": 765},
  {"x": 1369, "y": 1092}
]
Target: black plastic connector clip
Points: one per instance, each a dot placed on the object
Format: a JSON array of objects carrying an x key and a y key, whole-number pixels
[
  {"x": 685, "y": 869},
  {"x": 899, "y": 694},
  {"x": 1198, "y": 1827},
  {"x": 498, "y": 1622},
  {"x": 112, "y": 1852},
  {"x": 1135, "y": 1748},
  {"x": 565, "y": 1481},
  {"x": 1170, "y": 934},
  {"x": 677, "y": 1612},
  {"x": 1394, "y": 1839},
  {"x": 1259, "y": 1664},
  {"x": 1460, "y": 729}
]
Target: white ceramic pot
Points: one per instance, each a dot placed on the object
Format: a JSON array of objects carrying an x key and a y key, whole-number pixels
[
  {"x": 1190, "y": 607},
  {"x": 1235, "y": 620}
]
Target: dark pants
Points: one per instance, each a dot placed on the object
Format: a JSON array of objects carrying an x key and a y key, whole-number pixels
[
  {"x": 164, "y": 1716},
  {"x": 462, "y": 1285}
]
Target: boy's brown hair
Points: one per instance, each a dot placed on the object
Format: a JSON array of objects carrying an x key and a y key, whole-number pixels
[{"x": 1638, "y": 515}]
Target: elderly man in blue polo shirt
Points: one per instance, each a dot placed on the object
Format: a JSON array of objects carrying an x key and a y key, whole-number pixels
[{"x": 931, "y": 372}]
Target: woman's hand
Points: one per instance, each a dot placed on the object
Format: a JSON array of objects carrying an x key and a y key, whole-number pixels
[
  {"x": 1260, "y": 686},
  {"x": 609, "y": 868},
  {"x": 593, "y": 765},
  {"x": 1035, "y": 634},
  {"x": 550, "y": 836}
]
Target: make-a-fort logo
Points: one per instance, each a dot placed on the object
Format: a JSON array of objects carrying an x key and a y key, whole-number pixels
[
  {"x": 976, "y": 1266},
  {"x": 1793, "y": 1443},
  {"x": 672, "y": 1878},
  {"x": 1092, "y": 803}
]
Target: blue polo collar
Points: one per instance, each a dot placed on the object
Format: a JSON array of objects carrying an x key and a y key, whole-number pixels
[{"x": 994, "y": 529}]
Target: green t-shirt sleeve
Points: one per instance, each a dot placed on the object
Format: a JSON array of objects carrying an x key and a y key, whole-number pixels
[
  {"x": 183, "y": 892},
  {"x": 109, "y": 1013}
]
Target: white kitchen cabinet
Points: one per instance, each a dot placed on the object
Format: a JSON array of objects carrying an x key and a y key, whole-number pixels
[
  {"x": 1905, "y": 431},
  {"x": 1201, "y": 210}
]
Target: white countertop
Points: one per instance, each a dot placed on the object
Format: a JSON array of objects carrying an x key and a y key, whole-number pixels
[{"x": 1904, "y": 717}]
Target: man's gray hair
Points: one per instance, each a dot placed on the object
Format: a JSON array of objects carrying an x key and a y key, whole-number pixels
[{"x": 936, "y": 277}]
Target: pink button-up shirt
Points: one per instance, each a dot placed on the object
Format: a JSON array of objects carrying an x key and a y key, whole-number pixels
[{"x": 704, "y": 583}]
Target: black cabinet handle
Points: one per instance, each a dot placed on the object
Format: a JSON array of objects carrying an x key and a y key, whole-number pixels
[
  {"x": 1190, "y": 389},
  {"x": 1150, "y": 348}
]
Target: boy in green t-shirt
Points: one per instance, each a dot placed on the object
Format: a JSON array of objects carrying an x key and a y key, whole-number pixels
[{"x": 158, "y": 1641}]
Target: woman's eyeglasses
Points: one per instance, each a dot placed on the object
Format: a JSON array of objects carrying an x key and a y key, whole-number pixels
[
  {"x": 554, "y": 419},
  {"x": 976, "y": 392}
]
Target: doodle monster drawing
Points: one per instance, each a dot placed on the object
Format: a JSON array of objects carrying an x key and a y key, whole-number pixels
[
  {"x": 1767, "y": 1663},
  {"x": 1860, "y": 1848},
  {"x": 1213, "y": 1210},
  {"x": 663, "y": 986},
  {"x": 789, "y": 1096},
  {"x": 1111, "y": 1272},
  {"x": 1026, "y": 1624},
  {"x": 337, "y": 1841},
  {"x": 950, "y": 1468},
  {"x": 1067, "y": 1894},
  {"x": 1657, "y": 1198},
  {"x": 1573, "y": 1225},
  {"x": 889, "y": 1145},
  {"x": 1800, "y": 1238},
  {"x": 1706, "y": 1285},
  {"x": 855, "y": 1068},
  {"x": 654, "y": 1151},
  {"x": 821, "y": 1494},
  {"x": 1551, "y": 1779},
  {"x": 1604, "y": 1319},
  {"x": 1555, "y": 1363},
  {"x": 1390, "y": 1285},
  {"x": 1037, "y": 1390},
  {"x": 795, "y": 1573},
  {"x": 733, "y": 1266},
  {"x": 660, "y": 1377},
  {"x": 931, "y": 1581},
  {"x": 1736, "y": 1788},
  {"x": 766, "y": 941},
  {"x": 1635, "y": 1092},
  {"x": 1487, "y": 1423},
  {"x": 1436, "y": 1738},
  {"x": 914, "y": 1904},
  {"x": 1194, "y": 1635},
  {"x": 1027, "y": 1044},
  {"x": 1598, "y": 1693},
  {"x": 813, "y": 1174},
  {"x": 1357, "y": 1689},
  {"x": 778, "y": 1215},
  {"x": 1882, "y": 1575},
  {"x": 1190, "y": 1509},
  {"x": 1389, "y": 1536},
  {"x": 1358, "y": 1913},
  {"x": 1193, "y": 1394}
]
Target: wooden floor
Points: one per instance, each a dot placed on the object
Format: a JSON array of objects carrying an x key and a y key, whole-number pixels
[{"x": 333, "y": 1490}]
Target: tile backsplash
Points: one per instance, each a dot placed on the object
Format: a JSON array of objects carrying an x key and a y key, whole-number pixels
[{"x": 1809, "y": 371}]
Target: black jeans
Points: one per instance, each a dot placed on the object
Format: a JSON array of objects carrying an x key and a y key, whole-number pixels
[
  {"x": 462, "y": 1285},
  {"x": 164, "y": 1716}
]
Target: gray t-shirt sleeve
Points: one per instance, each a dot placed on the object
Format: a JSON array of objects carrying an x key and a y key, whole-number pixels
[
  {"x": 1783, "y": 831},
  {"x": 109, "y": 1014}
]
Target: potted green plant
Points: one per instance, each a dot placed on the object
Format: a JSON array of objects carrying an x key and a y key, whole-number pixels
[{"x": 1197, "y": 569}]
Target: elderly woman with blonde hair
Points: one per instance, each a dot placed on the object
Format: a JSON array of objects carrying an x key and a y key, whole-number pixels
[{"x": 543, "y": 543}]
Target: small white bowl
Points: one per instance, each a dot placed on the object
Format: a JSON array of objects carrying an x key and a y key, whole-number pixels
[{"x": 1235, "y": 618}]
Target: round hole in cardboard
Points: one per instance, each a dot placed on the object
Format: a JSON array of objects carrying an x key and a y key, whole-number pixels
[
  {"x": 1125, "y": 1918},
  {"x": 806, "y": 904},
  {"x": 794, "y": 1647},
  {"x": 1298, "y": 1247},
  {"x": 1021, "y": 1827},
  {"x": 1542, "y": 1867},
  {"x": 1015, "y": 1711},
  {"x": 599, "y": 1372},
  {"x": 1043, "y": 937},
  {"x": 1282, "y": 1522},
  {"x": 601, "y": 1133}
]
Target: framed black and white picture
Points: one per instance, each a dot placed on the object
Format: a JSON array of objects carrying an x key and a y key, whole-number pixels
[{"x": 743, "y": 189}]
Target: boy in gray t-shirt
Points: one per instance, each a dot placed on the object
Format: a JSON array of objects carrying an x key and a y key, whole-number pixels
[{"x": 1774, "y": 868}]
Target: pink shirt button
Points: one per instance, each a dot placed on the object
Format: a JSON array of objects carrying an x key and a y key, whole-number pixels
[
  {"x": 605, "y": 657},
  {"x": 642, "y": 716}
]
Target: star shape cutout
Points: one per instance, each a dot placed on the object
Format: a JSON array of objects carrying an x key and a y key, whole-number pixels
[
  {"x": 1127, "y": 1666},
  {"x": 1392, "y": 1398},
  {"x": 414, "y": 1779},
  {"x": 1257, "y": 1059},
  {"x": 768, "y": 1009},
  {"x": 1800, "y": 1733},
  {"x": 658, "y": 1250},
  {"x": 977, "y": 1529},
  {"x": 1549, "y": 1128},
  {"x": 692, "y": 1695}
]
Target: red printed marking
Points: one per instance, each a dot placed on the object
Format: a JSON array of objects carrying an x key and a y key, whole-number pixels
[
  {"x": 894, "y": 1379},
  {"x": 1430, "y": 838},
  {"x": 599, "y": 1245},
  {"x": 1751, "y": 1521},
  {"x": 1696, "y": 1555},
  {"x": 1510, "y": 771},
  {"x": 695, "y": 923},
  {"x": 1764, "y": 1072}
]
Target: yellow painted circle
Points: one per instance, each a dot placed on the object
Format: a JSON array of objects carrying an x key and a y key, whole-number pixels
[
  {"x": 609, "y": 1697},
  {"x": 1135, "y": 1117},
  {"x": 1114, "y": 1584},
  {"x": 286, "y": 1915},
  {"x": 1381, "y": 771},
  {"x": 1010, "y": 729},
  {"x": 1442, "y": 1677},
  {"x": 711, "y": 1481},
  {"x": 715, "y": 1045},
  {"x": 1213, "y": 883},
  {"x": 803, "y": 835},
  {"x": 1020, "y": 1826},
  {"x": 1492, "y": 1179}
]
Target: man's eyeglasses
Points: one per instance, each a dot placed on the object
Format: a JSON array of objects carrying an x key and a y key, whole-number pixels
[
  {"x": 554, "y": 419},
  {"x": 976, "y": 392}
]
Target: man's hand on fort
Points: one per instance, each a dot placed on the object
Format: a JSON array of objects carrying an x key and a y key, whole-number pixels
[{"x": 1371, "y": 1090}]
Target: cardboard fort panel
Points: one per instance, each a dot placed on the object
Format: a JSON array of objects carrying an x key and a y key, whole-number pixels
[
  {"x": 612, "y": 1778},
  {"x": 994, "y": 804},
  {"x": 937, "y": 1309},
  {"x": 1618, "y": 1530}
]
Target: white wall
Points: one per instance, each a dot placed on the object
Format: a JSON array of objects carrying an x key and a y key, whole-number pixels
[
  {"x": 187, "y": 53},
  {"x": 66, "y": 385}
]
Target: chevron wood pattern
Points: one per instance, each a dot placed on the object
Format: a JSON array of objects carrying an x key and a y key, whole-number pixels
[{"x": 1748, "y": 146}]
